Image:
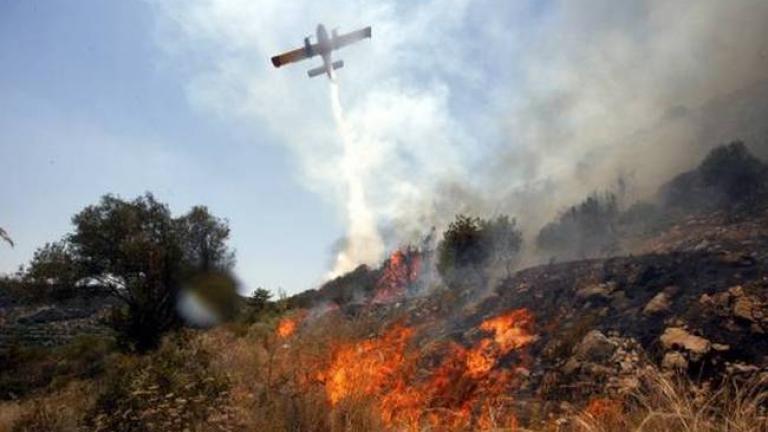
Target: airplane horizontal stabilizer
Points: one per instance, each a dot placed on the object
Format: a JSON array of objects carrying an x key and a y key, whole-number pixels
[{"x": 316, "y": 71}]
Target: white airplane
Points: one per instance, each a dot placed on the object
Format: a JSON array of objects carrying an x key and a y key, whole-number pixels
[{"x": 324, "y": 46}]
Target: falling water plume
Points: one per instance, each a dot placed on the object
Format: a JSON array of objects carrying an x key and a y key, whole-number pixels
[{"x": 363, "y": 242}]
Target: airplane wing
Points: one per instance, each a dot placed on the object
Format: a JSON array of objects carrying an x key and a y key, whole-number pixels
[
  {"x": 351, "y": 37},
  {"x": 293, "y": 56}
]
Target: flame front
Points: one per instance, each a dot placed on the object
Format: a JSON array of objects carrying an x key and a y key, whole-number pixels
[
  {"x": 467, "y": 387},
  {"x": 367, "y": 368}
]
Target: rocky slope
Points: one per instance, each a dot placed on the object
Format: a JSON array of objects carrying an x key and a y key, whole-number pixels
[{"x": 688, "y": 295}]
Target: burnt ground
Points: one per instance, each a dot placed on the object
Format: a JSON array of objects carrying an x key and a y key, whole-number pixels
[{"x": 692, "y": 299}]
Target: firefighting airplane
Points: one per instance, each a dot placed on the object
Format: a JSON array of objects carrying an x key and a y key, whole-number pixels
[{"x": 324, "y": 46}]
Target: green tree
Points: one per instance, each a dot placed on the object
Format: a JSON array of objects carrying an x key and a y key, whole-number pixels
[
  {"x": 203, "y": 239},
  {"x": 463, "y": 250},
  {"x": 53, "y": 272},
  {"x": 260, "y": 299},
  {"x": 472, "y": 246},
  {"x": 143, "y": 256}
]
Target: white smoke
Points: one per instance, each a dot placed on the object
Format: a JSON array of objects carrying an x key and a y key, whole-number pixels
[
  {"x": 471, "y": 105},
  {"x": 363, "y": 244}
]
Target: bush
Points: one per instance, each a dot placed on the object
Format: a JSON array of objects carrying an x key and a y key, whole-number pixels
[
  {"x": 26, "y": 369},
  {"x": 585, "y": 230},
  {"x": 470, "y": 245},
  {"x": 728, "y": 177},
  {"x": 172, "y": 388}
]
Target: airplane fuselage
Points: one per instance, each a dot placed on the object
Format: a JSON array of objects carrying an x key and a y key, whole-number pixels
[{"x": 325, "y": 47}]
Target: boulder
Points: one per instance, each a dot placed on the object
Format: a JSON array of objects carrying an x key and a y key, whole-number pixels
[
  {"x": 595, "y": 347},
  {"x": 743, "y": 307},
  {"x": 602, "y": 290},
  {"x": 678, "y": 337},
  {"x": 658, "y": 304}
]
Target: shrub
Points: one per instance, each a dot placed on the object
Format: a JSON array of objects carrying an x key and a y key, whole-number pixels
[
  {"x": 471, "y": 244},
  {"x": 729, "y": 176},
  {"x": 585, "y": 230},
  {"x": 172, "y": 388}
]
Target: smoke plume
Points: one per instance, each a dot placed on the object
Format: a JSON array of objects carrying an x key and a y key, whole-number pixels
[{"x": 471, "y": 106}]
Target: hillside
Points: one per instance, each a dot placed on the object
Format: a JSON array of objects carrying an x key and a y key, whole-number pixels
[{"x": 675, "y": 310}]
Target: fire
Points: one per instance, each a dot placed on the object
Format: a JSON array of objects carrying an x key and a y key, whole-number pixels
[
  {"x": 367, "y": 368},
  {"x": 286, "y": 327},
  {"x": 608, "y": 411},
  {"x": 401, "y": 271},
  {"x": 510, "y": 331},
  {"x": 468, "y": 387}
]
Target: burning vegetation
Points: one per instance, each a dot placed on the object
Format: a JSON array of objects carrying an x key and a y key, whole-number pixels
[
  {"x": 654, "y": 314},
  {"x": 449, "y": 386},
  {"x": 286, "y": 327}
]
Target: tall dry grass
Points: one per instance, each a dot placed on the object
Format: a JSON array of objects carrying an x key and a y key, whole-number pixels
[
  {"x": 246, "y": 378},
  {"x": 274, "y": 385},
  {"x": 62, "y": 410},
  {"x": 667, "y": 402}
]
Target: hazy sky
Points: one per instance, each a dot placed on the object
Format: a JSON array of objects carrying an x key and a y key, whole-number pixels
[
  {"x": 130, "y": 96},
  {"x": 90, "y": 104},
  {"x": 484, "y": 106}
]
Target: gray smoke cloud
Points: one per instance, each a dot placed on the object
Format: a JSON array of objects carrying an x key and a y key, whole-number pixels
[{"x": 471, "y": 106}]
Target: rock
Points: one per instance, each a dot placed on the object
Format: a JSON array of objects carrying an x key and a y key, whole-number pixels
[
  {"x": 721, "y": 302},
  {"x": 720, "y": 347},
  {"x": 678, "y": 337},
  {"x": 658, "y": 304},
  {"x": 571, "y": 366},
  {"x": 602, "y": 290},
  {"x": 674, "y": 360},
  {"x": 742, "y": 308},
  {"x": 595, "y": 346}
]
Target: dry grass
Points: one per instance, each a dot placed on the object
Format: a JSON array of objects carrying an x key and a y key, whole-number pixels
[
  {"x": 61, "y": 411},
  {"x": 246, "y": 378},
  {"x": 10, "y": 412},
  {"x": 273, "y": 380},
  {"x": 673, "y": 403}
]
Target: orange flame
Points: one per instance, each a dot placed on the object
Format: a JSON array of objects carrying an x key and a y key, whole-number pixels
[
  {"x": 465, "y": 389},
  {"x": 286, "y": 327},
  {"x": 510, "y": 331},
  {"x": 608, "y": 411},
  {"x": 367, "y": 368}
]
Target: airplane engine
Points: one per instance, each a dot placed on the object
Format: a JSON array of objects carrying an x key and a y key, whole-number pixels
[{"x": 307, "y": 46}]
